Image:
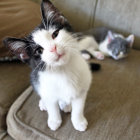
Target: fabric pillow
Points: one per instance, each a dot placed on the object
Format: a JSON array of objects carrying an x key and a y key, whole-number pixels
[{"x": 17, "y": 19}]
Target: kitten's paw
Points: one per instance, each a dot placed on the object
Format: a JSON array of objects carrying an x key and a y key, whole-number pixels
[
  {"x": 81, "y": 124},
  {"x": 99, "y": 56},
  {"x": 65, "y": 107},
  {"x": 54, "y": 124},
  {"x": 42, "y": 106},
  {"x": 86, "y": 56}
]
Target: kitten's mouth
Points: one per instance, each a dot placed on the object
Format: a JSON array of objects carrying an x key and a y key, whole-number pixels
[{"x": 60, "y": 56}]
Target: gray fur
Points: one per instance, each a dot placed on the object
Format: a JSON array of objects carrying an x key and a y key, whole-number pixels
[
  {"x": 98, "y": 33},
  {"x": 119, "y": 45}
]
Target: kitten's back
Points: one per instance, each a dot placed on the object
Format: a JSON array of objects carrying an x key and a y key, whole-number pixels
[{"x": 99, "y": 33}]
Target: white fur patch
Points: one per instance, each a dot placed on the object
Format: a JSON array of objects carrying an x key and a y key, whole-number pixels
[
  {"x": 87, "y": 43},
  {"x": 103, "y": 47}
]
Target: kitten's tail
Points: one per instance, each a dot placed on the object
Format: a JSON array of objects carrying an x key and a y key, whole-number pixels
[{"x": 94, "y": 66}]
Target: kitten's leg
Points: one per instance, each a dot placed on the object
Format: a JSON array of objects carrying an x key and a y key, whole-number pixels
[
  {"x": 64, "y": 106},
  {"x": 97, "y": 54},
  {"x": 79, "y": 121},
  {"x": 42, "y": 105},
  {"x": 54, "y": 117}
]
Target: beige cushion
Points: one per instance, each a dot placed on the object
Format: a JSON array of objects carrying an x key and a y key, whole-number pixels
[
  {"x": 120, "y": 15},
  {"x": 80, "y": 13},
  {"x": 17, "y": 19},
  {"x": 14, "y": 78},
  {"x": 5, "y": 136},
  {"x": 112, "y": 107}
]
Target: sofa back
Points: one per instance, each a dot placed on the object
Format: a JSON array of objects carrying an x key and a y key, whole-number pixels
[{"x": 119, "y": 15}]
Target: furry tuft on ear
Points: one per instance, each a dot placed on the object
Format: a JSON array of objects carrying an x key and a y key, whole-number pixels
[
  {"x": 130, "y": 40},
  {"x": 17, "y": 47},
  {"x": 50, "y": 14}
]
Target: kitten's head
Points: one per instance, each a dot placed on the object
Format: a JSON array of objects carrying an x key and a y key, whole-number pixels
[
  {"x": 118, "y": 45},
  {"x": 51, "y": 42}
]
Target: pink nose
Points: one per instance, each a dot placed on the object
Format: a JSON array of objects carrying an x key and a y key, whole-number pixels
[{"x": 53, "y": 49}]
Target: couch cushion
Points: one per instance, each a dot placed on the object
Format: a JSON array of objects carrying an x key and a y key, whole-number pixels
[
  {"x": 5, "y": 136},
  {"x": 112, "y": 107},
  {"x": 14, "y": 78},
  {"x": 120, "y": 15},
  {"x": 80, "y": 13},
  {"x": 17, "y": 19}
]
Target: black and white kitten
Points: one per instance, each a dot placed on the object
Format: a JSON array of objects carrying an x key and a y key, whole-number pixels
[
  {"x": 59, "y": 75},
  {"x": 100, "y": 42}
]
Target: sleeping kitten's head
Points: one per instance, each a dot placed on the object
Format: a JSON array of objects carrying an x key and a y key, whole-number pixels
[
  {"x": 118, "y": 45},
  {"x": 50, "y": 43}
]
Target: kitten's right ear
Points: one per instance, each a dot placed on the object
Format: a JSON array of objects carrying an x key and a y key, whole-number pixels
[
  {"x": 17, "y": 47},
  {"x": 130, "y": 40},
  {"x": 110, "y": 36},
  {"x": 50, "y": 14}
]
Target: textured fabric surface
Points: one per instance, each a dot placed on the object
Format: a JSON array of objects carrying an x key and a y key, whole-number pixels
[
  {"x": 80, "y": 13},
  {"x": 5, "y": 136},
  {"x": 17, "y": 19},
  {"x": 112, "y": 107},
  {"x": 120, "y": 15},
  {"x": 14, "y": 78}
]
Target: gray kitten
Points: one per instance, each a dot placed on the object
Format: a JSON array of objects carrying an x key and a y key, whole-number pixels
[{"x": 100, "y": 42}]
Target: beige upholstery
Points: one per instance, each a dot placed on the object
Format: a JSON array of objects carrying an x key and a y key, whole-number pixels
[
  {"x": 5, "y": 136},
  {"x": 120, "y": 15},
  {"x": 17, "y": 19},
  {"x": 79, "y": 12},
  {"x": 14, "y": 78},
  {"x": 112, "y": 107}
]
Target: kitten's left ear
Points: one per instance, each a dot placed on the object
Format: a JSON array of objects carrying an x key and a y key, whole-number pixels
[
  {"x": 130, "y": 40},
  {"x": 18, "y": 47},
  {"x": 50, "y": 14},
  {"x": 110, "y": 36}
]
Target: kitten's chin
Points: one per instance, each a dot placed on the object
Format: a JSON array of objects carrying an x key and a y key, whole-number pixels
[{"x": 62, "y": 61}]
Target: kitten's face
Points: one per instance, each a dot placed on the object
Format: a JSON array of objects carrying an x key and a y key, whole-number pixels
[
  {"x": 51, "y": 43},
  {"x": 56, "y": 45},
  {"x": 119, "y": 46}
]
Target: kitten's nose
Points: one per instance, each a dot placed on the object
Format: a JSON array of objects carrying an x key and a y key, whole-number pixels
[{"x": 53, "y": 49}]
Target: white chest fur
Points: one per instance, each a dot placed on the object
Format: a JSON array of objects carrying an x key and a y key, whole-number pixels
[
  {"x": 57, "y": 86},
  {"x": 65, "y": 83}
]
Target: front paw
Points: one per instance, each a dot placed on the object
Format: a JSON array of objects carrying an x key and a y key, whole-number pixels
[
  {"x": 42, "y": 106},
  {"x": 54, "y": 124},
  {"x": 86, "y": 56},
  {"x": 80, "y": 124},
  {"x": 99, "y": 56}
]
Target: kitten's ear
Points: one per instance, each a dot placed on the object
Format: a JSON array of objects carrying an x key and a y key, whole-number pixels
[
  {"x": 110, "y": 36},
  {"x": 50, "y": 14},
  {"x": 130, "y": 40},
  {"x": 17, "y": 47}
]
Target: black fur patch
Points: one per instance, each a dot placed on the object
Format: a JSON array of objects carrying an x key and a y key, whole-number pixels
[{"x": 94, "y": 66}]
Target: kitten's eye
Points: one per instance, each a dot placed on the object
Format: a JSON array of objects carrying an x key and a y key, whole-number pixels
[
  {"x": 55, "y": 34},
  {"x": 38, "y": 51}
]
